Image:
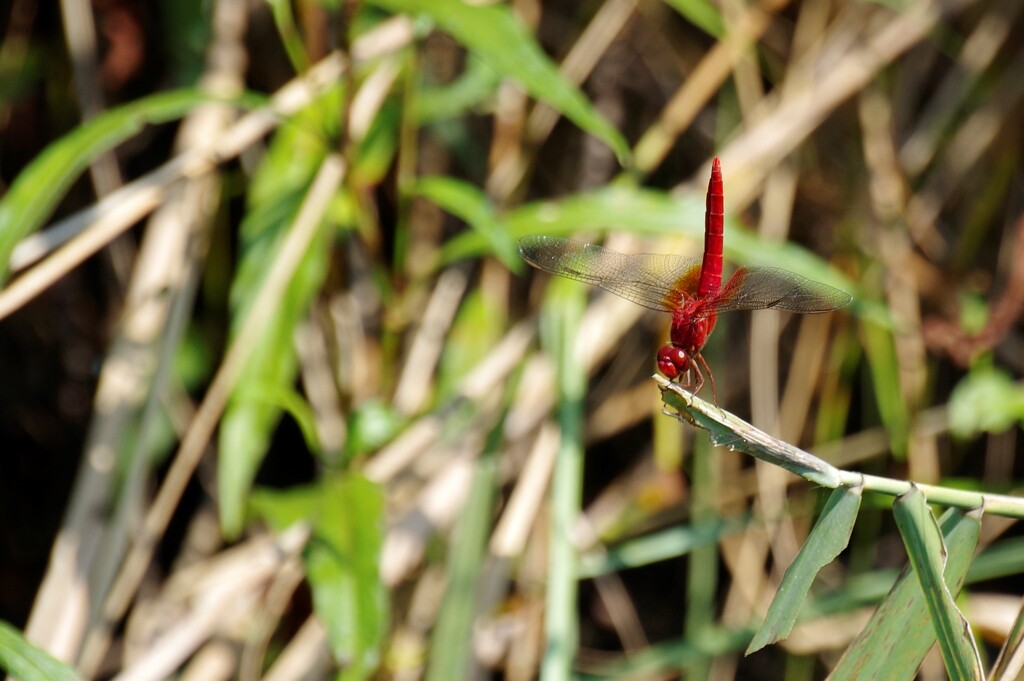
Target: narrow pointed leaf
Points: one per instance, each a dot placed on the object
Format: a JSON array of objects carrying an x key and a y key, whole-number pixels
[
  {"x": 467, "y": 570},
  {"x": 35, "y": 193},
  {"x": 470, "y": 204},
  {"x": 899, "y": 634},
  {"x": 654, "y": 212},
  {"x": 827, "y": 540},
  {"x": 24, "y": 661},
  {"x": 494, "y": 34},
  {"x": 1010, "y": 662},
  {"x": 927, "y": 555},
  {"x": 278, "y": 189}
]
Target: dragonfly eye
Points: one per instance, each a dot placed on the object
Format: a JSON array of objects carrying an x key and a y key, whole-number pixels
[{"x": 673, "y": 361}]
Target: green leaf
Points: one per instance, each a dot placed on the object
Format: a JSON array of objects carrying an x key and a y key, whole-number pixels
[
  {"x": 24, "y": 661},
  {"x": 371, "y": 424},
  {"x": 986, "y": 400},
  {"x": 559, "y": 329},
  {"x": 475, "y": 86},
  {"x": 701, "y": 14},
  {"x": 663, "y": 660},
  {"x": 376, "y": 153},
  {"x": 343, "y": 567},
  {"x": 284, "y": 20},
  {"x": 899, "y": 634},
  {"x": 653, "y": 212},
  {"x": 277, "y": 191},
  {"x": 927, "y": 555},
  {"x": 880, "y": 348},
  {"x": 38, "y": 189},
  {"x": 1009, "y": 662},
  {"x": 671, "y": 542},
  {"x": 469, "y": 203},
  {"x": 494, "y": 34},
  {"x": 479, "y": 326},
  {"x": 728, "y": 430},
  {"x": 827, "y": 540},
  {"x": 342, "y": 562}
]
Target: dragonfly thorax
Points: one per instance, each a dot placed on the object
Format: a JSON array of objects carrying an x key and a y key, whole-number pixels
[{"x": 690, "y": 331}]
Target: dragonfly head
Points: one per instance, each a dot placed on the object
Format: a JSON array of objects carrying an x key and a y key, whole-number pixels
[{"x": 673, "y": 361}]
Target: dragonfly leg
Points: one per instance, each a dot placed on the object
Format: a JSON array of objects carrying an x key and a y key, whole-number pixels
[
  {"x": 700, "y": 379},
  {"x": 711, "y": 376}
]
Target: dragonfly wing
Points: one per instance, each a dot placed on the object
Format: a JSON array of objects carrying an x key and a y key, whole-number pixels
[
  {"x": 659, "y": 282},
  {"x": 757, "y": 288}
]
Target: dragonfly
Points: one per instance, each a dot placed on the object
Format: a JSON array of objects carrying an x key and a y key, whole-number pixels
[{"x": 689, "y": 289}]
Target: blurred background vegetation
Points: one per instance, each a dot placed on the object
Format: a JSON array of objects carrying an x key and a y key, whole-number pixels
[{"x": 281, "y": 401}]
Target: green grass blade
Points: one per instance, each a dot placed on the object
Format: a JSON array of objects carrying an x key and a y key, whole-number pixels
[
  {"x": 451, "y": 658},
  {"x": 469, "y": 203},
  {"x": 1010, "y": 662},
  {"x": 703, "y": 565},
  {"x": 559, "y": 323},
  {"x": 927, "y": 555},
  {"x": 38, "y": 189},
  {"x": 284, "y": 20},
  {"x": 880, "y": 349},
  {"x": 701, "y": 13},
  {"x": 671, "y": 542},
  {"x": 494, "y": 34},
  {"x": 654, "y": 212},
  {"x": 663, "y": 660},
  {"x": 470, "y": 90},
  {"x": 900, "y": 634},
  {"x": 827, "y": 540},
  {"x": 24, "y": 661}
]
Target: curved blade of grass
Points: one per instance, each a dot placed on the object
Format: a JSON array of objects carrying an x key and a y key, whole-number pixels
[
  {"x": 649, "y": 211},
  {"x": 927, "y": 555},
  {"x": 467, "y": 202},
  {"x": 899, "y": 634},
  {"x": 284, "y": 20},
  {"x": 471, "y": 89},
  {"x": 827, "y": 540},
  {"x": 701, "y": 13},
  {"x": 671, "y": 542},
  {"x": 494, "y": 34},
  {"x": 642, "y": 211},
  {"x": 663, "y": 660},
  {"x": 38, "y": 189},
  {"x": 24, "y": 661}
]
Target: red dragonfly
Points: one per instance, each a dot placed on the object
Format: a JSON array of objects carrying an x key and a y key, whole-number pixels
[{"x": 690, "y": 289}]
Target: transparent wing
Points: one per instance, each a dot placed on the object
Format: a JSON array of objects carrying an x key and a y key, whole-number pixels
[
  {"x": 659, "y": 282},
  {"x": 757, "y": 288}
]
